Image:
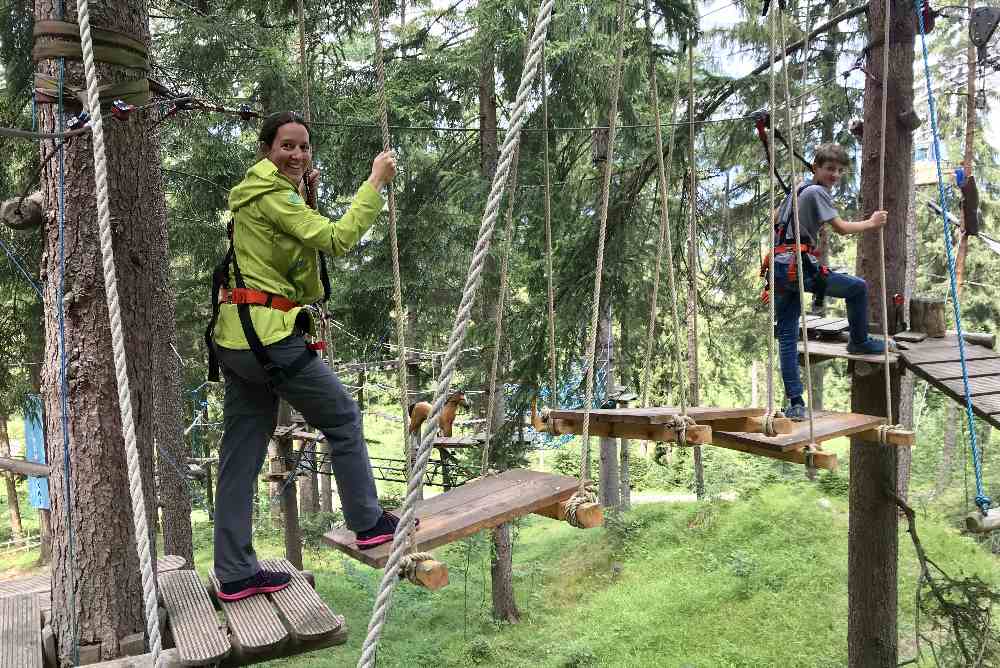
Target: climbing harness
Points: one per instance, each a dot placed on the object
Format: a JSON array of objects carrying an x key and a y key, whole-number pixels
[{"x": 808, "y": 255}]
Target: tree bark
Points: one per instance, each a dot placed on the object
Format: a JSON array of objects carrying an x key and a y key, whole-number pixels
[
  {"x": 10, "y": 483},
  {"x": 610, "y": 473},
  {"x": 326, "y": 479},
  {"x": 103, "y": 570},
  {"x": 907, "y": 383},
  {"x": 949, "y": 439},
  {"x": 172, "y": 486},
  {"x": 692, "y": 341},
  {"x": 872, "y": 536},
  {"x": 288, "y": 493}
]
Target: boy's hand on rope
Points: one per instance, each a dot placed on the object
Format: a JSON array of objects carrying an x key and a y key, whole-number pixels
[
  {"x": 878, "y": 219},
  {"x": 383, "y": 169}
]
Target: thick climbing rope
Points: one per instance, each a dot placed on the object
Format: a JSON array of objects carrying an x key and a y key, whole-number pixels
[
  {"x": 798, "y": 238},
  {"x": 692, "y": 362},
  {"x": 548, "y": 238},
  {"x": 397, "y": 285},
  {"x": 473, "y": 280},
  {"x": 616, "y": 81},
  {"x": 508, "y": 242},
  {"x": 883, "y": 289},
  {"x": 664, "y": 169},
  {"x": 117, "y": 337},
  {"x": 982, "y": 501}
]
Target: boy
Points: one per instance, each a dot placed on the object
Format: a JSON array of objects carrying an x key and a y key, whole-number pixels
[{"x": 815, "y": 210}]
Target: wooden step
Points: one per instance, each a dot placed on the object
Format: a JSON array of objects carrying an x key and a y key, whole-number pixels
[
  {"x": 21, "y": 631},
  {"x": 193, "y": 622},
  {"x": 168, "y": 659},
  {"x": 254, "y": 625},
  {"x": 479, "y": 504},
  {"x": 308, "y": 618},
  {"x": 826, "y": 425}
]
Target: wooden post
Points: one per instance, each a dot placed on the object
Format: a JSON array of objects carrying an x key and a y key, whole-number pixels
[
  {"x": 873, "y": 545},
  {"x": 289, "y": 496},
  {"x": 970, "y": 149},
  {"x": 692, "y": 277},
  {"x": 209, "y": 491},
  {"x": 326, "y": 479},
  {"x": 623, "y": 447}
]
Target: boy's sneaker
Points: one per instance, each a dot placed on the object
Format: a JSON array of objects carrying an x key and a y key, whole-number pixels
[
  {"x": 264, "y": 582},
  {"x": 382, "y": 532},
  {"x": 871, "y": 346},
  {"x": 797, "y": 413}
]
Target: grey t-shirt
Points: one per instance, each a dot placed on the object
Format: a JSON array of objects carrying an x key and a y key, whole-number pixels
[{"x": 815, "y": 210}]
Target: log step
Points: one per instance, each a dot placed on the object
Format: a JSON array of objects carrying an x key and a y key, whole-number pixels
[{"x": 191, "y": 616}]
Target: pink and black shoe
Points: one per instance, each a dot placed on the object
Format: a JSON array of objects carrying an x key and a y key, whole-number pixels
[
  {"x": 382, "y": 532},
  {"x": 264, "y": 582}
]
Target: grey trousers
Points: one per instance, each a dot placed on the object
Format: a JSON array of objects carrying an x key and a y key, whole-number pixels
[{"x": 250, "y": 415}]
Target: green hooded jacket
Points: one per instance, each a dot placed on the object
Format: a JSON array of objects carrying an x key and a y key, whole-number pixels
[{"x": 275, "y": 239}]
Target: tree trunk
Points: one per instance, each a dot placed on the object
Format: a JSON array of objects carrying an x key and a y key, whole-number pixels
[
  {"x": 288, "y": 493},
  {"x": 168, "y": 429},
  {"x": 610, "y": 474},
  {"x": 692, "y": 340},
  {"x": 103, "y": 570},
  {"x": 308, "y": 488},
  {"x": 949, "y": 439},
  {"x": 44, "y": 514},
  {"x": 908, "y": 381},
  {"x": 10, "y": 482},
  {"x": 501, "y": 569},
  {"x": 872, "y": 536},
  {"x": 326, "y": 479}
]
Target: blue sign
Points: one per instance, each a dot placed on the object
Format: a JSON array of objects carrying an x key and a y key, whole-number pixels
[{"x": 34, "y": 451}]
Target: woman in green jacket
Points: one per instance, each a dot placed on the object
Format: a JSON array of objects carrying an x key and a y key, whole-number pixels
[{"x": 260, "y": 339}]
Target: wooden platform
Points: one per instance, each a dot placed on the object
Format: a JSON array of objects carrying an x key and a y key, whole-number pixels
[
  {"x": 21, "y": 631},
  {"x": 826, "y": 350},
  {"x": 479, "y": 504},
  {"x": 656, "y": 423}
]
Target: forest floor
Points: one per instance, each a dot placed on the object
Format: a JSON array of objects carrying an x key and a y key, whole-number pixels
[{"x": 757, "y": 579}]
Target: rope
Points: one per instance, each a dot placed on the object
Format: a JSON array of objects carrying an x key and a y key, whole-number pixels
[
  {"x": 117, "y": 338},
  {"x": 397, "y": 284},
  {"x": 663, "y": 182},
  {"x": 881, "y": 206},
  {"x": 772, "y": 294},
  {"x": 692, "y": 250},
  {"x": 982, "y": 501},
  {"x": 462, "y": 318},
  {"x": 14, "y": 133},
  {"x": 798, "y": 239},
  {"x": 585, "y": 494},
  {"x": 409, "y": 564},
  {"x": 548, "y": 236},
  {"x": 501, "y": 300},
  {"x": 605, "y": 194}
]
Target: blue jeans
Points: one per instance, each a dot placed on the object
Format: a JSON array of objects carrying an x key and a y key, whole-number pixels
[{"x": 787, "y": 310}]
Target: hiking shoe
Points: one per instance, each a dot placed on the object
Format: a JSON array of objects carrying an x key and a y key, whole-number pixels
[
  {"x": 382, "y": 532},
  {"x": 265, "y": 582},
  {"x": 797, "y": 413},
  {"x": 871, "y": 346}
]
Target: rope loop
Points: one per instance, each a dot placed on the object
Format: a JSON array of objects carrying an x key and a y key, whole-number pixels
[
  {"x": 984, "y": 503},
  {"x": 409, "y": 563},
  {"x": 769, "y": 418},
  {"x": 884, "y": 430},
  {"x": 680, "y": 426},
  {"x": 810, "y": 453},
  {"x": 587, "y": 493}
]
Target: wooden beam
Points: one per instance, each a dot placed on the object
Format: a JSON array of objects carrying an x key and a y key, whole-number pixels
[
  {"x": 699, "y": 434},
  {"x": 822, "y": 460},
  {"x": 23, "y": 467},
  {"x": 431, "y": 574},
  {"x": 589, "y": 515},
  {"x": 899, "y": 437},
  {"x": 976, "y": 523},
  {"x": 753, "y": 425}
]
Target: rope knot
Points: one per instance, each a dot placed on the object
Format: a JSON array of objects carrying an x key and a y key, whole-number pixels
[
  {"x": 769, "y": 418},
  {"x": 409, "y": 563},
  {"x": 680, "y": 426},
  {"x": 984, "y": 503},
  {"x": 586, "y": 493},
  {"x": 884, "y": 430}
]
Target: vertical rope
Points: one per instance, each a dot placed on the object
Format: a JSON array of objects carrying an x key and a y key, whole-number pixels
[
  {"x": 303, "y": 62},
  {"x": 663, "y": 182},
  {"x": 390, "y": 575},
  {"x": 397, "y": 285},
  {"x": 616, "y": 81},
  {"x": 883, "y": 288},
  {"x": 692, "y": 217},
  {"x": 772, "y": 295},
  {"x": 982, "y": 501},
  {"x": 117, "y": 337},
  {"x": 798, "y": 238},
  {"x": 548, "y": 238}
]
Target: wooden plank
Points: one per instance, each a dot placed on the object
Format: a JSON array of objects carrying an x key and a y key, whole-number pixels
[
  {"x": 827, "y": 425},
  {"x": 305, "y": 614},
  {"x": 833, "y": 327},
  {"x": 957, "y": 394},
  {"x": 953, "y": 370},
  {"x": 655, "y": 415},
  {"x": 694, "y": 435},
  {"x": 479, "y": 504},
  {"x": 168, "y": 659},
  {"x": 838, "y": 350},
  {"x": 822, "y": 460},
  {"x": 20, "y": 631},
  {"x": 977, "y": 386},
  {"x": 457, "y": 442},
  {"x": 193, "y": 623},
  {"x": 42, "y": 583},
  {"x": 254, "y": 626},
  {"x": 813, "y": 323},
  {"x": 919, "y": 355},
  {"x": 23, "y": 467}
]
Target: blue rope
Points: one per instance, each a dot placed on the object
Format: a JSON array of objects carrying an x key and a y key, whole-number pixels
[
  {"x": 12, "y": 256},
  {"x": 982, "y": 500}
]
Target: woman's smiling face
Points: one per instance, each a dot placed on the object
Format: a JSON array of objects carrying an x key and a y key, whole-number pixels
[{"x": 290, "y": 151}]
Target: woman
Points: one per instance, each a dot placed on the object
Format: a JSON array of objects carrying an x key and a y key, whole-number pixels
[{"x": 260, "y": 340}]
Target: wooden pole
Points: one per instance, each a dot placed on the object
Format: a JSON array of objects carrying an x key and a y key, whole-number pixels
[
  {"x": 873, "y": 544},
  {"x": 289, "y": 495},
  {"x": 970, "y": 149}
]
